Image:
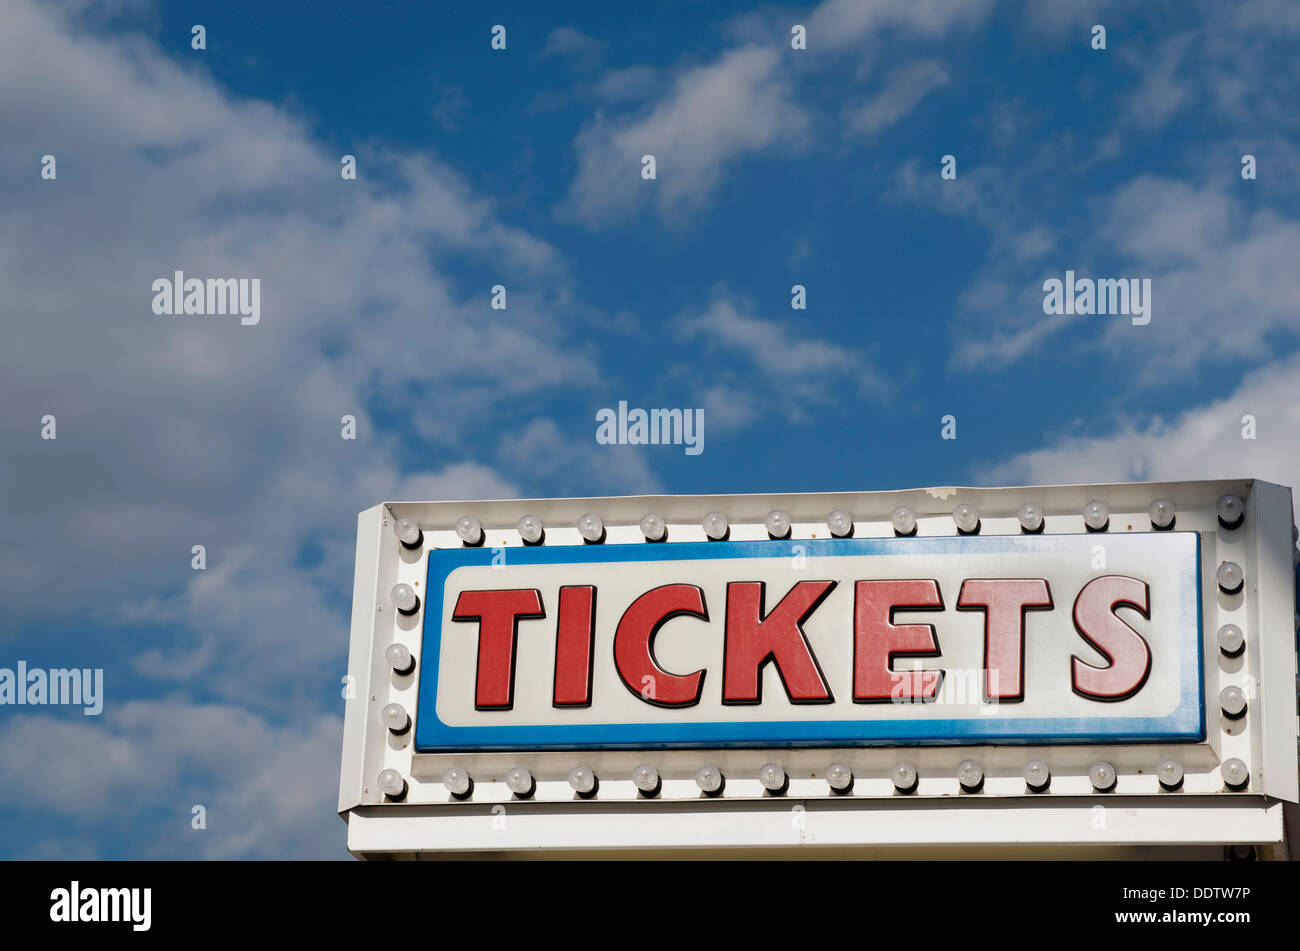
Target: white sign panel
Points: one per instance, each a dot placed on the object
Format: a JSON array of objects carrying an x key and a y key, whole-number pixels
[{"x": 814, "y": 643}]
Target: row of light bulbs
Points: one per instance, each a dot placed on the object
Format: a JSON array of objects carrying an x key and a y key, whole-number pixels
[
  {"x": 839, "y": 777},
  {"x": 1096, "y": 516}
]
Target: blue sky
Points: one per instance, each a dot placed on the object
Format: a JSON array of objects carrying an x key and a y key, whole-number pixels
[{"x": 775, "y": 167}]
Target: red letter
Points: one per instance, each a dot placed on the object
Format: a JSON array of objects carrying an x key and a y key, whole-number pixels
[
  {"x": 634, "y": 645},
  {"x": 752, "y": 640},
  {"x": 498, "y": 614},
  {"x": 1123, "y": 647},
  {"x": 1004, "y": 602},
  {"x": 877, "y": 641},
  {"x": 574, "y": 635}
]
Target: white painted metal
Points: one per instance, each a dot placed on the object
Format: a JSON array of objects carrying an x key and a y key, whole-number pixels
[
  {"x": 1201, "y": 812},
  {"x": 1269, "y": 511},
  {"x": 367, "y": 635},
  {"x": 1063, "y": 821}
]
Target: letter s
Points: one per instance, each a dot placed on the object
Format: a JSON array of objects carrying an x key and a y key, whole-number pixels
[{"x": 1120, "y": 644}]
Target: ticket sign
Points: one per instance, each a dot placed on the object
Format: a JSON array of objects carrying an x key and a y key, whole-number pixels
[{"x": 814, "y": 643}]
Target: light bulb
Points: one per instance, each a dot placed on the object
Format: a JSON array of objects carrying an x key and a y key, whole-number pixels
[
  {"x": 646, "y": 779},
  {"x": 715, "y": 526},
  {"x": 1231, "y": 510},
  {"x": 398, "y": 657},
  {"x": 395, "y": 717},
  {"x": 903, "y": 520},
  {"x": 1233, "y": 701},
  {"x": 903, "y": 776},
  {"x": 591, "y": 528},
  {"x": 404, "y": 598},
  {"x": 1030, "y": 517},
  {"x": 391, "y": 784},
  {"x": 1230, "y": 577},
  {"x": 469, "y": 530},
  {"x": 970, "y": 774},
  {"x": 520, "y": 782},
  {"x": 582, "y": 780},
  {"x": 839, "y": 777},
  {"x": 408, "y": 532},
  {"x": 530, "y": 529},
  {"x": 653, "y": 527},
  {"x": 1037, "y": 775},
  {"x": 1170, "y": 773},
  {"x": 1102, "y": 777},
  {"x": 710, "y": 780},
  {"x": 457, "y": 782},
  {"x": 772, "y": 778},
  {"x": 1231, "y": 639},
  {"x": 966, "y": 518},
  {"x": 1234, "y": 772},
  {"x": 1162, "y": 514},
  {"x": 777, "y": 523},
  {"x": 1096, "y": 516},
  {"x": 840, "y": 523}
]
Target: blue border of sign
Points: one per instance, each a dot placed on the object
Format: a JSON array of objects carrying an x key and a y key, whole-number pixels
[{"x": 1185, "y": 724}]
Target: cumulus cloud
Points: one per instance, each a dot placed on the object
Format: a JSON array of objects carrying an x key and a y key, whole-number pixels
[
  {"x": 177, "y": 431},
  {"x": 268, "y": 789}
]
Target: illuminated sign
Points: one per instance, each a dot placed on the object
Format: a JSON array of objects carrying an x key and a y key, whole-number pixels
[{"x": 973, "y": 667}]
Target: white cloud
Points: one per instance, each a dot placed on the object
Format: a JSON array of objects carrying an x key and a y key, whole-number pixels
[
  {"x": 787, "y": 373},
  {"x": 713, "y": 115},
  {"x": 1161, "y": 92},
  {"x": 1070, "y": 19},
  {"x": 766, "y": 343},
  {"x": 840, "y": 23},
  {"x": 986, "y": 194},
  {"x": 1202, "y": 443},
  {"x": 268, "y": 788},
  {"x": 1223, "y": 278},
  {"x": 570, "y": 41},
  {"x": 181, "y": 431},
  {"x": 905, "y": 89},
  {"x": 1223, "y": 285},
  {"x": 627, "y": 84},
  {"x": 581, "y": 465},
  {"x": 730, "y": 408},
  {"x": 448, "y": 106}
]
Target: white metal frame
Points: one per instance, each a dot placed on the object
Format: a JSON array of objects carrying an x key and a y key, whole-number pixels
[{"x": 1004, "y": 813}]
